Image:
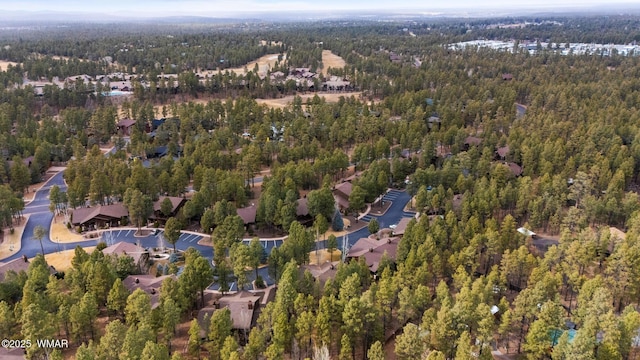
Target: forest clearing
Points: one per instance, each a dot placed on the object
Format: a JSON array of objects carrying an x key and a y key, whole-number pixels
[
  {"x": 265, "y": 63},
  {"x": 330, "y": 97},
  {"x": 4, "y": 64},
  {"x": 331, "y": 60}
]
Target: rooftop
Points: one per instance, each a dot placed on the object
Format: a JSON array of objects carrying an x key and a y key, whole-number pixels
[
  {"x": 125, "y": 248},
  {"x": 82, "y": 215},
  {"x": 17, "y": 265},
  {"x": 372, "y": 250},
  {"x": 248, "y": 214},
  {"x": 148, "y": 283}
]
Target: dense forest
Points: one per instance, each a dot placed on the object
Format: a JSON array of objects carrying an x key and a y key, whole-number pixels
[{"x": 554, "y": 147}]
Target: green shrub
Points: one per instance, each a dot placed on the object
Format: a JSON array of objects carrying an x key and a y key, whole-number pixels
[{"x": 260, "y": 282}]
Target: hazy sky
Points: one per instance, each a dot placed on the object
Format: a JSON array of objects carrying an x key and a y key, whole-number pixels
[{"x": 142, "y": 8}]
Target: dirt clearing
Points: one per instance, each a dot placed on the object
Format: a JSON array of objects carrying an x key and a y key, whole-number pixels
[
  {"x": 5, "y": 64},
  {"x": 331, "y": 60},
  {"x": 60, "y": 233},
  {"x": 329, "y": 97},
  {"x": 61, "y": 261},
  {"x": 11, "y": 241},
  {"x": 265, "y": 63}
]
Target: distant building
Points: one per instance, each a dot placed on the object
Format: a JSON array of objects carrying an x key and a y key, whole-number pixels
[
  {"x": 322, "y": 272},
  {"x": 17, "y": 265},
  {"x": 148, "y": 283},
  {"x": 139, "y": 255},
  {"x": 176, "y": 204},
  {"x": 244, "y": 307},
  {"x": 372, "y": 250},
  {"x": 124, "y": 126},
  {"x": 248, "y": 214},
  {"x": 100, "y": 216},
  {"x": 341, "y": 193},
  {"x": 402, "y": 226},
  {"x": 502, "y": 152},
  {"x": 472, "y": 141}
]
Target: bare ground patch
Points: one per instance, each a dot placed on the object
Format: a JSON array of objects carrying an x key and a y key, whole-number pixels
[
  {"x": 264, "y": 63},
  {"x": 4, "y": 64},
  {"x": 60, "y": 233},
  {"x": 10, "y": 243},
  {"x": 287, "y": 100},
  {"x": 62, "y": 260},
  {"x": 331, "y": 60},
  {"x": 324, "y": 256}
]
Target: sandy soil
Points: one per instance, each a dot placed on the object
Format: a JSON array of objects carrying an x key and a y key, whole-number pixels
[
  {"x": 323, "y": 256},
  {"x": 347, "y": 225},
  {"x": 331, "y": 60},
  {"x": 11, "y": 242},
  {"x": 4, "y": 64},
  {"x": 59, "y": 232},
  {"x": 265, "y": 63},
  {"x": 329, "y": 97},
  {"x": 62, "y": 260}
]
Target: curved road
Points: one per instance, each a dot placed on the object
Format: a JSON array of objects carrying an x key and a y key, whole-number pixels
[{"x": 40, "y": 215}]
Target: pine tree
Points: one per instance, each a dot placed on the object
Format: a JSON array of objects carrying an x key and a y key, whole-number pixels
[
  {"x": 154, "y": 351},
  {"x": 346, "y": 350},
  {"x": 463, "y": 348},
  {"x": 194, "y": 339},
  {"x": 117, "y": 298},
  {"x": 337, "y": 224},
  {"x": 408, "y": 344},
  {"x": 219, "y": 330},
  {"x": 376, "y": 351},
  {"x": 229, "y": 347},
  {"x": 170, "y": 319},
  {"x": 138, "y": 307},
  {"x": 112, "y": 340}
]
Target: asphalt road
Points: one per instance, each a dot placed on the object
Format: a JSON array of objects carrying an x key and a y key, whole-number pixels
[{"x": 40, "y": 215}]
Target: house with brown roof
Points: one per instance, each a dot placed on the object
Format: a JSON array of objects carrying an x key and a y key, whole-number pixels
[
  {"x": 16, "y": 265},
  {"x": 471, "y": 141},
  {"x": 100, "y": 216},
  {"x": 124, "y": 126},
  {"x": 515, "y": 169},
  {"x": 372, "y": 250},
  {"x": 502, "y": 152},
  {"x": 244, "y": 310},
  {"x": 148, "y": 283},
  {"x": 302, "y": 211},
  {"x": 248, "y": 214},
  {"x": 176, "y": 204},
  {"x": 341, "y": 193},
  {"x": 402, "y": 226},
  {"x": 139, "y": 255},
  {"x": 322, "y": 272}
]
